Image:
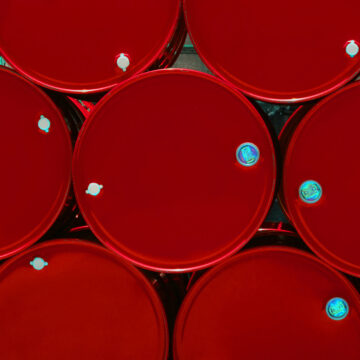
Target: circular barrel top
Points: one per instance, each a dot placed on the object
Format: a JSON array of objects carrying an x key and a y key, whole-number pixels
[
  {"x": 36, "y": 163},
  {"x": 85, "y": 46},
  {"x": 321, "y": 178},
  {"x": 269, "y": 303},
  {"x": 280, "y": 51},
  {"x": 174, "y": 170},
  {"x": 69, "y": 299}
]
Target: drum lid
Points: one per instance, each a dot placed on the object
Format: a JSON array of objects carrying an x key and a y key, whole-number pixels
[
  {"x": 268, "y": 303},
  {"x": 281, "y": 51},
  {"x": 36, "y": 163},
  {"x": 156, "y": 174},
  {"x": 85, "y": 46},
  {"x": 324, "y": 149},
  {"x": 70, "y": 299}
]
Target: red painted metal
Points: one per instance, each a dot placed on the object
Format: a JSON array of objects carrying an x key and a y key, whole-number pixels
[
  {"x": 73, "y": 47},
  {"x": 268, "y": 303},
  {"x": 279, "y": 51},
  {"x": 269, "y": 234},
  {"x": 85, "y": 107},
  {"x": 87, "y": 303},
  {"x": 170, "y": 287},
  {"x": 36, "y": 166},
  {"x": 174, "y": 197},
  {"x": 324, "y": 148}
]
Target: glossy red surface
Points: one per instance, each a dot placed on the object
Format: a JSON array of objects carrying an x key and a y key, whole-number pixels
[
  {"x": 85, "y": 107},
  {"x": 35, "y": 166},
  {"x": 324, "y": 148},
  {"x": 282, "y": 51},
  {"x": 85, "y": 304},
  {"x": 73, "y": 46},
  {"x": 268, "y": 303},
  {"x": 174, "y": 196}
]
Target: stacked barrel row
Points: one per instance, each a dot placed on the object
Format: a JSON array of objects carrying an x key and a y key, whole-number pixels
[{"x": 133, "y": 224}]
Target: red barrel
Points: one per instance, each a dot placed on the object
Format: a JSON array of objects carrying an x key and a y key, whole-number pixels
[
  {"x": 69, "y": 299},
  {"x": 320, "y": 187},
  {"x": 36, "y": 149},
  {"x": 174, "y": 170},
  {"x": 269, "y": 303},
  {"x": 278, "y": 51},
  {"x": 89, "y": 46}
]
